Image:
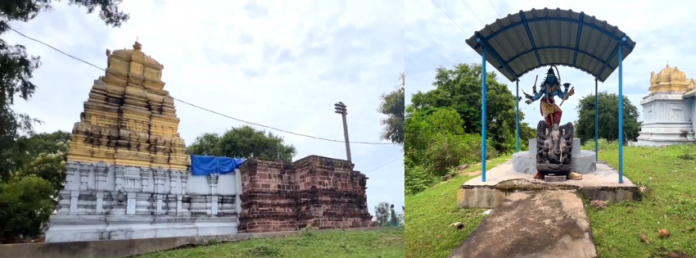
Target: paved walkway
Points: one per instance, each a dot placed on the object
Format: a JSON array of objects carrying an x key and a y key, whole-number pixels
[{"x": 533, "y": 224}]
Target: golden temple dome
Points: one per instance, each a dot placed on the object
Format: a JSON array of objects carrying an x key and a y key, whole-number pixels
[
  {"x": 670, "y": 79},
  {"x": 132, "y": 65}
]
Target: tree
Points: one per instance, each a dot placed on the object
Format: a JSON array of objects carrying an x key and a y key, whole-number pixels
[
  {"x": 25, "y": 197},
  {"x": 17, "y": 68},
  {"x": 242, "y": 142},
  {"x": 460, "y": 89},
  {"x": 608, "y": 118},
  {"x": 382, "y": 214},
  {"x": 25, "y": 205},
  {"x": 392, "y": 105}
]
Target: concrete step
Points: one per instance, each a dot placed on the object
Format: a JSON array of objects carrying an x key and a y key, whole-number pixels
[{"x": 533, "y": 224}]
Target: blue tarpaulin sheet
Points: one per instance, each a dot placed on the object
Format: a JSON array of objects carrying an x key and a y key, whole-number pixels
[{"x": 206, "y": 165}]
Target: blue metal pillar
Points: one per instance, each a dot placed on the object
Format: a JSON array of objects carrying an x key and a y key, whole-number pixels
[
  {"x": 483, "y": 114},
  {"x": 621, "y": 110},
  {"x": 517, "y": 126},
  {"x": 596, "y": 121}
]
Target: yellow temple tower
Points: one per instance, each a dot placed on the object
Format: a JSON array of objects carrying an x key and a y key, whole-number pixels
[{"x": 129, "y": 119}]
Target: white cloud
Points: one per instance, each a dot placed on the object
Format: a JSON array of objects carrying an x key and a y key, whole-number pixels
[
  {"x": 280, "y": 63},
  {"x": 662, "y": 32}
]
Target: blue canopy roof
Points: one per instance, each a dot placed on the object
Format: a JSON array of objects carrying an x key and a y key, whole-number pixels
[{"x": 528, "y": 40}]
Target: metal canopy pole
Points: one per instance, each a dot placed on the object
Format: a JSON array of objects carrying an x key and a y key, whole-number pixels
[
  {"x": 621, "y": 109},
  {"x": 517, "y": 127},
  {"x": 483, "y": 114},
  {"x": 596, "y": 121}
]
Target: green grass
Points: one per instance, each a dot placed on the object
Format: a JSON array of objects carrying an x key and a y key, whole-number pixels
[
  {"x": 669, "y": 203},
  {"x": 387, "y": 242},
  {"x": 429, "y": 214}
]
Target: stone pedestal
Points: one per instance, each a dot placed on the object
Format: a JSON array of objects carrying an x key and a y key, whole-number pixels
[{"x": 582, "y": 161}]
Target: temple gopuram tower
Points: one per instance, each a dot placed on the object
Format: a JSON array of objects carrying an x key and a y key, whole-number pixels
[
  {"x": 129, "y": 119},
  {"x": 668, "y": 111},
  {"x": 127, "y": 175}
]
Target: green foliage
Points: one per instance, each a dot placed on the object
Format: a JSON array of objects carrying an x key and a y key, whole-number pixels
[
  {"x": 436, "y": 143},
  {"x": 460, "y": 89},
  {"x": 25, "y": 205},
  {"x": 608, "y": 118},
  {"x": 417, "y": 179},
  {"x": 242, "y": 142},
  {"x": 604, "y": 145},
  {"x": 392, "y": 105},
  {"x": 382, "y": 213}
]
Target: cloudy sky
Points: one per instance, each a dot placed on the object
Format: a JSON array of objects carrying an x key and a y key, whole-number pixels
[
  {"x": 663, "y": 33},
  {"x": 277, "y": 63}
]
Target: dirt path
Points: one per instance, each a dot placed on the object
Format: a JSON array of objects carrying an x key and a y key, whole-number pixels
[{"x": 533, "y": 224}]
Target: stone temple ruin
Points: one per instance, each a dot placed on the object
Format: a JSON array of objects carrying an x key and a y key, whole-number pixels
[{"x": 128, "y": 175}]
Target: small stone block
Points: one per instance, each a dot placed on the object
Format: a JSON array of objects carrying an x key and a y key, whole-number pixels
[{"x": 553, "y": 178}]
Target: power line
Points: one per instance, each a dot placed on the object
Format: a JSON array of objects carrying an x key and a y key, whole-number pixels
[
  {"x": 455, "y": 23},
  {"x": 196, "y": 106},
  {"x": 496, "y": 9},
  {"x": 472, "y": 12},
  {"x": 385, "y": 164}
]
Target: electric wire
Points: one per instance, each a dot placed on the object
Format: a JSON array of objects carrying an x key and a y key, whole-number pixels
[{"x": 196, "y": 106}]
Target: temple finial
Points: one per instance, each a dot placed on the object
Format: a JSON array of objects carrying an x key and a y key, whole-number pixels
[{"x": 137, "y": 45}]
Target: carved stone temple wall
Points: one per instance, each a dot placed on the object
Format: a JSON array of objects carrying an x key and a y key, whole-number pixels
[
  {"x": 669, "y": 111},
  {"x": 317, "y": 191},
  {"x": 127, "y": 172}
]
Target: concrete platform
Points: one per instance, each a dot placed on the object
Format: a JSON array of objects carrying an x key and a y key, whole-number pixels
[
  {"x": 533, "y": 224},
  {"x": 501, "y": 181},
  {"x": 582, "y": 161}
]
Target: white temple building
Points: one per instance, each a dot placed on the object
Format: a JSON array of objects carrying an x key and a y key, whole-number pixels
[{"x": 669, "y": 112}]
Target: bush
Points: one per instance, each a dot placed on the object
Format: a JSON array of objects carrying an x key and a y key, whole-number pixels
[
  {"x": 417, "y": 179},
  {"x": 25, "y": 205},
  {"x": 604, "y": 145}
]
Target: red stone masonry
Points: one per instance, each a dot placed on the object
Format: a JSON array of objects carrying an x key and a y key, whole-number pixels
[{"x": 317, "y": 191}]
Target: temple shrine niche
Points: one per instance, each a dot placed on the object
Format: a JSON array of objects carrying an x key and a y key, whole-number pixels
[
  {"x": 668, "y": 111},
  {"x": 128, "y": 174}
]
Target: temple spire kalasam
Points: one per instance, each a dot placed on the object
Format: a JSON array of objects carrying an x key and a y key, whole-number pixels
[
  {"x": 670, "y": 79},
  {"x": 129, "y": 119}
]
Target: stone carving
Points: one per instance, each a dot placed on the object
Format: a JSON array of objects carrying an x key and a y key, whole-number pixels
[{"x": 554, "y": 149}]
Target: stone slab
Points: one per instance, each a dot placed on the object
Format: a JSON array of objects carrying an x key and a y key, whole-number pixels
[
  {"x": 551, "y": 178},
  {"x": 502, "y": 180},
  {"x": 533, "y": 224}
]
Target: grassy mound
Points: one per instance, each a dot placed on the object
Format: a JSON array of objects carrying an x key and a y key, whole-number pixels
[
  {"x": 668, "y": 174},
  {"x": 387, "y": 242}
]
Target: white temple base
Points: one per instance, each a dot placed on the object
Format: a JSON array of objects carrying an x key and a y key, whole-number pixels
[
  {"x": 71, "y": 228},
  {"x": 102, "y": 202},
  {"x": 667, "y": 120}
]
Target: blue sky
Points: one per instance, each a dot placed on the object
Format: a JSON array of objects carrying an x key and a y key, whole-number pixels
[
  {"x": 663, "y": 32},
  {"x": 278, "y": 63}
]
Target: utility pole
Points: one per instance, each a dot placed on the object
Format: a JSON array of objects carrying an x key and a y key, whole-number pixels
[{"x": 341, "y": 109}]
